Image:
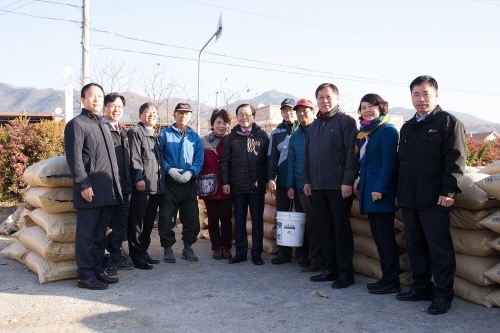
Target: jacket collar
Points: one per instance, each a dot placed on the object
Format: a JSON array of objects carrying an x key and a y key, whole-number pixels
[
  {"x": 413, "y": 119},
  {"x": 144, "y": 129},
  {"x": 289, "y": 129},
  {"x": 187, "y": 131},
  {"x": 328, "y": 115},
  {"x": 237, "y": 129}
]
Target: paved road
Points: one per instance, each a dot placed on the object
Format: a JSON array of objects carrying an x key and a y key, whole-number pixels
[{"x": 213, "y": 296}]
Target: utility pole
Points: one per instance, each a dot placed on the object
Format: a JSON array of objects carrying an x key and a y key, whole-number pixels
[{"x": 86, "y": 43}]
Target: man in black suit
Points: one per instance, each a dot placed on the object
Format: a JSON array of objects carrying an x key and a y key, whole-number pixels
[
  {"x": 113, "y": 112},
  {"x": 431, "y": 163},
  {"x": 91, "y": 158}
]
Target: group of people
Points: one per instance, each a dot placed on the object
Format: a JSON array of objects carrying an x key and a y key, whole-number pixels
[{"x": 311, "y": 160}]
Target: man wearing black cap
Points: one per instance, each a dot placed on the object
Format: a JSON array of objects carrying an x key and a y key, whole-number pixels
[
  {"x": 182, "y": 152},
  {"x": 277, "y": 169}
]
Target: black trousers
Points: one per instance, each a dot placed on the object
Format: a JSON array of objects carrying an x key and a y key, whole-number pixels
[
  {"x": 430, "y": 249},
  {"x": 311, "y": 230},
  {"x": 119, "y": 226},
  {"x": 331, "y": 213},
  {"x": 90, "y": 240},
  {"x": 283, "y": 205},
  {"x": 242, "y": 203},
  {"x": 382, "y": 228},
  {"x": 143, "y": 208},
  {"x": 180, "y": 198},
  {"x": 220, "y": 210}
]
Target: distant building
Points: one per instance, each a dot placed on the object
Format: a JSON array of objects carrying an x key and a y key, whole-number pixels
[
  {"x": 33, "y": 117},
  {"x": 484, "y": 136}
]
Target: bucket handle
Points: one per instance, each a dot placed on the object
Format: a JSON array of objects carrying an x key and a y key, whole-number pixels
[{"x": 290, "y": 210}]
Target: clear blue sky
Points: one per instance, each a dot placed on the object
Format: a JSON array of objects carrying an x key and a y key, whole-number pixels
[{"x": 362, "y": 46}]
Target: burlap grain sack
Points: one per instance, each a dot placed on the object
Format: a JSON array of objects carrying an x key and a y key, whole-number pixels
[
  {"x": 493, "y": 298},
  {"x": 472, "y": 268},
  {"x": 270, "y": 213},
  {"x": 203, "y": 209},
  {"x": 491, "y": 169},
  {"x": 60, "y": 227},
  {"x": 468, "y": 219},
  {"x": 16, "y": 251},
  {"x": 493, "y": 273},
  {"x": 52, "y": 172},
  {"x": 491, "y": 222},
  {"x": 404, "y": 262},
  {"x": 398, "y": 225},
  {"x": 35, "y": 239},
  {"x": 473, "y": 197},
  {"x": 52, "y": 200},
  {"x": 268, "y": 245},
  {"x": 491, "y": 185},
  {"x": 48, "y": 271},
  {"x": 355, "y": 189},
  {"x": 9, "y": 224},
  {"x": 269, "y": 229},
  {"x": 355, "y": 210},
  {"x": 399, "y": 215},
  {"x": 401, "y": 240},
  {"x": 360, "y": 226},
  {"x": 472, "y": 292},
  {"x": 474, "y": 242},
  {"x": 406, "y": 278},
  {"x": 366, "y": 265},
  {"x": 470, "y": 169},
  {"x": 205, "y": 234},
  {"x": 495, "y": 244},
  {"x": 270, "y": 198},
  {"x": 365, "y": 245}
]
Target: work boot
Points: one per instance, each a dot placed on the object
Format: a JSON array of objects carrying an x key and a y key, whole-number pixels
[
  {"x": 168, "y": 255},
  {"x": 188, "y": 254}
]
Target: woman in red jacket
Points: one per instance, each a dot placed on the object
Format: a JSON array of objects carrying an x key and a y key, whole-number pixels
[{"x": 219, "y": 205}]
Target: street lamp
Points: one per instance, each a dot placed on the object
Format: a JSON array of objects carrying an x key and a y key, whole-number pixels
[{"x": 217, "y": 33}]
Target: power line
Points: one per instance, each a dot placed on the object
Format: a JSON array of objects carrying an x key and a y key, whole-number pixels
[
  {"x": 42, "y": 17},
  {"x": 11, "y": 4},
  {"x": 10, "y": 11},
  {"x": 488, "y": 3},
  {"x": 60, "y": 3}
]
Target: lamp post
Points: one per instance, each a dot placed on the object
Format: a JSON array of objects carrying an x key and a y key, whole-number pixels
[{"x": 217, "y": 33}]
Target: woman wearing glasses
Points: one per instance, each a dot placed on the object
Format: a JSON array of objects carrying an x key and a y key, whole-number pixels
[{"x": 243, "y": 165}]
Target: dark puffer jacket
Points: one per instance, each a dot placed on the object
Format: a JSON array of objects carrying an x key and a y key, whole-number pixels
[{"x": 243, "y": 162}]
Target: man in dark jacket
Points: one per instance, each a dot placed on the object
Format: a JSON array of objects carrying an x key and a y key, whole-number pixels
[
  {"x": 330, "y": 168},
  {"x": 149, "y": 180},
  {"x": 431, "y": 163},
  {"x": 243, "y": 164},
  {"x": 113, "y": 111},
  {"x": 277, "y": 169},
  {"x": 91, "y": 158},
  {"x": 295, "y": 181}
]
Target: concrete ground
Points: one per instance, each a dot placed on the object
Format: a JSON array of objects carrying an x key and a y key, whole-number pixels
[{"x": 213, "y": 296}]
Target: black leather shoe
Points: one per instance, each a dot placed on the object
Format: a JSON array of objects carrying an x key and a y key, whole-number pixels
[
  {"x": 343, "y": 281},
  {"x": 151, "y": 261},
  {"x": 143, "y": 264},
  {"x": 257, "y": 260},
  {"x": 280, "y": 260},
  {"x": 387, "y": 289},
  {"x": 413, "y": 295},
  {"x": 374, "y": 284},
  {"x": 106, "y": 279},
  {"x": 92, "y": 284},
  {"x": 325, "y": 276},
  {"x": 439, "y": 306},
  {"x": 122, "y": 265},
  {"x": 110, "y": 270},
  {"x": 237, "y": 259}
]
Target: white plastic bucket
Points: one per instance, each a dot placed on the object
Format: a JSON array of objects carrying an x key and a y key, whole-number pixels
[{"x": 290, "y": 228}]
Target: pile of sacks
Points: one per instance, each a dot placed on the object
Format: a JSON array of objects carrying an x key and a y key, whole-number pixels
[
  {"x": 475, "y": 230},
  {"x": 269, "y": 242},
  {"x": 46, "y": 242},
  {"x": 15, "y": 221}
]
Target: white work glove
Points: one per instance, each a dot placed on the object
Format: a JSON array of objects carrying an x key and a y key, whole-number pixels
[
  {"x": 175, "y": 174},
  {"x": 186, "y": 176}
]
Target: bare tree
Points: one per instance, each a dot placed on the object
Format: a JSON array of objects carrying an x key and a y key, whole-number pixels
[
  {"x": 114, "y": 76},
  {"x": 160, "y": 90}
]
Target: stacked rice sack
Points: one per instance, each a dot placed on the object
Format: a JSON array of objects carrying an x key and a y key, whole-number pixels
[
  {"x": 46, "y": 243},
  {"x": 475, "y": 230},
  {"x": 203, "y": 220},
  {"x": 269, "y": 242}
]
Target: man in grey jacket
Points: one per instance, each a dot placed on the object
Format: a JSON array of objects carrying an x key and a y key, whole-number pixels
[
  {"x": 330, "y": 168},
  {"x": 149, "y": 184},
  {"x": 91, "y": 158}
]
